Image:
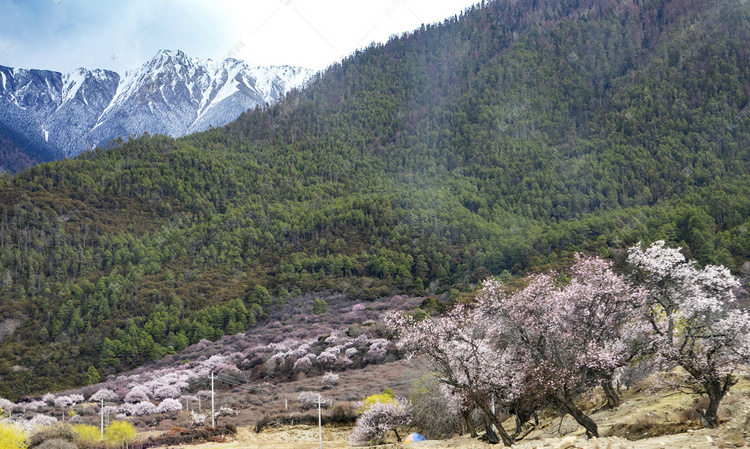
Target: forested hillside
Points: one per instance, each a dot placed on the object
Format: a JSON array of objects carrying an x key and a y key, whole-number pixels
[{"x": 496, "y": 143}]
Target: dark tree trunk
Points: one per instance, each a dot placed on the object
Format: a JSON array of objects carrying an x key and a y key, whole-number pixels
[
  {"x": 716, "y": 391},
  {"x": 613, "y": 399},
  {"x": 524, "y": 415},
  {"x": 490, "y": 434},
  {"x": 519, "y": 425},
  {"x": 507, "y": 439},
  {"x": 398, "y": 438},
  {"x": 470, "y": 425},
  {"x": 715, "y": 388},
  {"x": 581, "y": 418}
]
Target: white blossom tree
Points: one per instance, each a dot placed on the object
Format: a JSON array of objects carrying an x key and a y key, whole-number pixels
[
  {"x": 380, "y": 418},
  {"x": 692, "y": 321},
  {"x": 472, "y": 365},
  {"x": 169, "y": 405},
  {"x": 103, "y": 394}
]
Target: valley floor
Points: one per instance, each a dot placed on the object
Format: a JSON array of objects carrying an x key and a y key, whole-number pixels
[
  {"x": 649, "y": 418},
  {"x": 306, "y": 437}
]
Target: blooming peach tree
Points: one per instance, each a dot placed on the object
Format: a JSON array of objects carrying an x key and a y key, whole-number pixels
[
  {"x": 692, "y": 320},
  {"x": 471, "y": 364},
  {"x": 378, "y": 419},
  {"x": 546, "y": 342}
]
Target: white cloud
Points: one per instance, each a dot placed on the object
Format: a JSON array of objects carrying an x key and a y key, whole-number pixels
[{"x": 121, "y": 35}]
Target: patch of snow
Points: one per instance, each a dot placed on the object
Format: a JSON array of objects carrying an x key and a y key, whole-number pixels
[{"x": 72, "y": 82}]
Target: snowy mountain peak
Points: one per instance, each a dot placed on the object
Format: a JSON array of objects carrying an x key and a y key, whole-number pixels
[{"x": 173, "y": 94}]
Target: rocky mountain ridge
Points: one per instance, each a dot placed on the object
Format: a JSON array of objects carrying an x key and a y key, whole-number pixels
[{"x": 54, "y": 115}]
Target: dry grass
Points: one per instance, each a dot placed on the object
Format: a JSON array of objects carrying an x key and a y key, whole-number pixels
[{"x": 647, "y": 426}]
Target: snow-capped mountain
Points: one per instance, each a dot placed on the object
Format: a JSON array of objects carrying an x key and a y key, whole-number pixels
[{"x": 62, "y": 115}]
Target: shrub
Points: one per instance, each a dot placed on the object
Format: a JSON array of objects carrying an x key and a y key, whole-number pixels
[
  {"x": 386, "y": 397},
  {"x": 6, "y": 406},
  {"x": 119, "y": 433},
  {"x": 303, "y": 364},
  {"x": 57, "y": 431},
  {"x": 431, "y": 410},
  {"x": 320, "y": 306},
  {"x": 198, "y": 419},
  {"x": 330, "y": 378},
  {"x": 57, "y": 443},
  {"x": 12, "y": 436},
  {"x": 344, "y": 412},
  {"x": 88, "y": 434}
]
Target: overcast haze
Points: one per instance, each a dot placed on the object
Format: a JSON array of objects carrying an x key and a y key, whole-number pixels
[{"x": 63, "y": 35}]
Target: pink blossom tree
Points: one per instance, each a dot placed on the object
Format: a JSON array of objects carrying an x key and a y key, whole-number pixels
[
  {"x": 573, "y": 336},
  {"x": 380, "y": 418},
  {"x": 142, "y": 408},
  {"x": 472, "y": 365},
  {"x": 167, "y": 391},
  {"x": 692, "y": 321},
  {"x": 544, "y": 342},
  {"x": 137, "y": 394},
  {"x": 169, "y": 405}
]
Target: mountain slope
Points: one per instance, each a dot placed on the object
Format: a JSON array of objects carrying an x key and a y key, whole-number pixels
[
  {"x": 63, "y": 115},
  {"x": 495, "y": 143}
]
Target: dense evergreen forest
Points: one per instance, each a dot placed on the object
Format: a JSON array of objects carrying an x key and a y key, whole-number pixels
[
  {"x": 14, "y": 156},
  {"x": 496, "y": 143}
]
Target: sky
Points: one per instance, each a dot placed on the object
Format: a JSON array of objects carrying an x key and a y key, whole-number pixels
[{"x": 63, "y": 35}]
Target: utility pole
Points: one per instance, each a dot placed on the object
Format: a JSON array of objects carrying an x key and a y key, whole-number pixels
[
  {"x": 212, "y": 400},
  {"x": 102, "y": 417}
]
